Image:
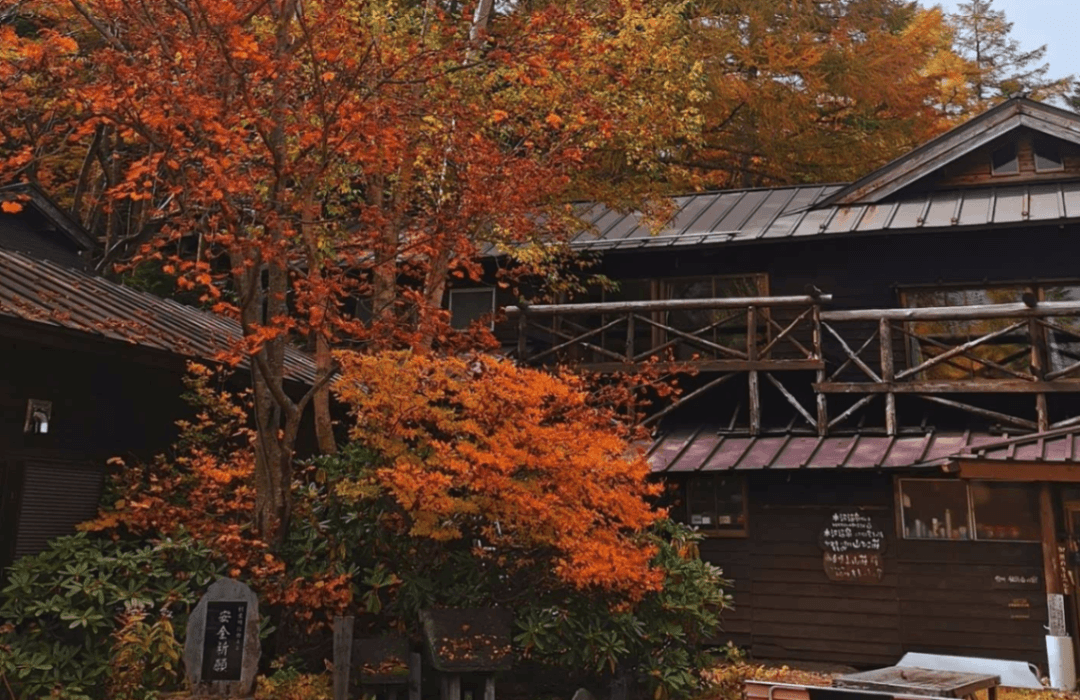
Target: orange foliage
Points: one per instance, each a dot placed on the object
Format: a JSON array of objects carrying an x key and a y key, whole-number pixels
[
  {"x": 205, "y": 490},
  {"x": 481, "y": 448}
]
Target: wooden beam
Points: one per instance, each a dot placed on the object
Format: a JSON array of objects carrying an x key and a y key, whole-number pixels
[
  {"x": 963, "y": 386},
  {"x": 851, "y": 410},
  {"x": 683, "y": 399},
  {"x": 957, "y": 313},
  {"x": 958, "y": 350},
  {"x": 711, "y": 366},
  {"x": 611, "y": 307},
  {"x": 1055, "y": 601},
  {"x": 1040, "y": 359},
  {"x": 853, "y": 356},
  {"x": 982, "y": 412},
  {"x": 887, "y": 373},
  {"x": 820, "y": 398},
  {"x": 1009, "y": 470},
  {"x": 791, "y": 400},
  {"x": 752, "y": 381}
]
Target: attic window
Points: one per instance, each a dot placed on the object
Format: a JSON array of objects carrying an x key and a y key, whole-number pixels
[
  {"x": 1048, "y": 156},
  {"x": 1003, "y": 161}
]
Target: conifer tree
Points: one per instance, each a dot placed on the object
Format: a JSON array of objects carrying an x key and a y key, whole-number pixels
[{"x": 1002, "y": 69}]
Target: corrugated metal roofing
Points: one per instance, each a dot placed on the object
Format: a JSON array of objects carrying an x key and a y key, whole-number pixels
[
  {"x": 1051, "y": 446},
  {"x": 737, "y": 216},
  {"x": 44, "y": 292},
  {"x": 703, "y": 449}
]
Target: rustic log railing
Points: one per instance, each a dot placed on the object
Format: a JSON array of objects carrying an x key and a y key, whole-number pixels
[
  {"x": 867, "y": 352},
  {"x": 1024, "y": 330}
]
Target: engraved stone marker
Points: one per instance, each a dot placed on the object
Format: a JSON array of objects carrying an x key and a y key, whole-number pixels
[{"x": 222, "y": 650}]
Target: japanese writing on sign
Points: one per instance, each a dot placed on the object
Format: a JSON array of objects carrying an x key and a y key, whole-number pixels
[
  {"x": 854, "y": 568},
  {"x": 223, "y": 645},
  {"x": 851, "y": 531}
]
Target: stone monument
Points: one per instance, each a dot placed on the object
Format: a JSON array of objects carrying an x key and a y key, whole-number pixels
[{"x": 222, "y": 648}]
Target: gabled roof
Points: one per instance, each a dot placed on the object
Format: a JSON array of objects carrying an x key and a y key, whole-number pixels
[
  {"x": 52, "y": 211},
  {"x": 43, "y": 292},
  {"x": 976, "y": 133}
]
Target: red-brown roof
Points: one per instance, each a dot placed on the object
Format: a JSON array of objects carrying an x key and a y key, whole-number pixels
[
  {"x": 705, "y": 450},
  {"x": 53, "y": 295}
]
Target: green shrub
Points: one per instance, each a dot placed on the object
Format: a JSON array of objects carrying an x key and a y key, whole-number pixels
[
  {"x": 662, "y": 640},
  {"x": 85, "y": 603}
]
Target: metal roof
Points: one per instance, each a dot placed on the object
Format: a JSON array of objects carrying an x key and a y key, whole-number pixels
[
  {"x": 44, "y": 292},
  {"x": 916, "y": 164},
  {"x": 1050, "y": 446},
  {"x": 738, "y": 216},
  {"x": 704, "y": 450}
]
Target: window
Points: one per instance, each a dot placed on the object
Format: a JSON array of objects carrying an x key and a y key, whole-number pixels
[
  {"x": 1003, "y": 161},
  {"x": 1048, "y": 156},
  {"x": 469, "y": 305},
  {"x": 1010, "y": 351},
  {"x": 714, "y": 504},
  {"x": 945, "y": 509},
  {"x": 711, "y": 325}
]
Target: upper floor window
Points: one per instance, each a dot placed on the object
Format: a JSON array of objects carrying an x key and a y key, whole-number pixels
[
  {"x": 1004, "y": 160},
  {"x": 992, "y": 359},
  {"x": 469, "y": 305},
  {"x": 1047, "y": 154}
]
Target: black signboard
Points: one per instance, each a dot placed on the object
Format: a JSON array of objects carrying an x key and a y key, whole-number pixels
[
  {"x": 223, "y": 643},
  {"x": 853, "y": 544}
]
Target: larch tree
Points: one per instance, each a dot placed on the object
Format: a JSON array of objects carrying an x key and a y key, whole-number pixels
[
  {"x": 283, "y": 158},
  {"x": 1001, "y": 68},
  {"x": 822, "y": 91}
]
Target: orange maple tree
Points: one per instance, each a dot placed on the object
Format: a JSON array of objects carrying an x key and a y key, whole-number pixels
[
  {"x": 284, "y": 158},
  {"x": 518, "y": 459}
]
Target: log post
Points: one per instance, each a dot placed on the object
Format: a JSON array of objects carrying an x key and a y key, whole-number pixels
[
  {"x": 753, "y": 379},
  {"x": 489, "y": 687},
  {"x": 1055, "y": 599},
  {"x": 522, "y": 340},
  {"x": 819, "y": 396},
  {"x": 415, "y": 671},
  {"x": 1039, "y": 362},
  {"x": 630, "y": 337},
  {"x": 888, "y": 373},
  {"x": 343, "y": 638}
]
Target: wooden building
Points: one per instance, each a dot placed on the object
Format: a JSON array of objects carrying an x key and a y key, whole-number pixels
[
  {"x": 880, "y": 441},
  {"x": 89, "y": 370}
]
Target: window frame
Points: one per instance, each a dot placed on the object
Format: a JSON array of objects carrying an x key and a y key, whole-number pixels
[
  {"x": 462, "y": 290},
  {"x": 972, "y": 523},
  {"x": 1015, "y": 160},
  {"x": 684, "y": 506},
  {"x": 1060, "y": 168},
  {"x": 1039, "y": 287}
]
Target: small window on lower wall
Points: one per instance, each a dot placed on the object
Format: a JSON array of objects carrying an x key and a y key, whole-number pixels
[
  {"x": 948, "y": 509},
  {"x": 715, "y": 504},
  {"x": 1005, "y": 511}
]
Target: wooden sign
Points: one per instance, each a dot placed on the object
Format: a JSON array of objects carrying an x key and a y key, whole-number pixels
[
  {"x": 853, "y": 544},
  {"x": 222, "y": 648}
]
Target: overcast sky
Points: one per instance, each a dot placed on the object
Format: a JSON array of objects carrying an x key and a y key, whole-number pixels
[{"x": 1038, "y": 22}]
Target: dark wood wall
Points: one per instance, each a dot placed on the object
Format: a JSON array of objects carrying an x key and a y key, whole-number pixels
[
  {"x": 107, "y": 401},
  {"x": 937, "y": 597}
]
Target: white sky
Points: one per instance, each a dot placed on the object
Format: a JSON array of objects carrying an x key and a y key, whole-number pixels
[{"x": 1038, "y": 22}]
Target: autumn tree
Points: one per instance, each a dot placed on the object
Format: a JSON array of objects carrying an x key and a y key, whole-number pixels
[
  {"x": 1001, "y": 68},
  {"x": 819, "y": 92},
  {"x": 515, "y": 457},
  {"x": 282, "y": 158}
]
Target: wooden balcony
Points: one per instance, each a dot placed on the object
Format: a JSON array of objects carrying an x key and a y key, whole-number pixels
[{"x": 1028, "y": 350}]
